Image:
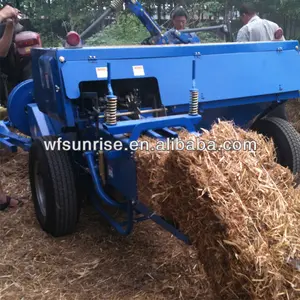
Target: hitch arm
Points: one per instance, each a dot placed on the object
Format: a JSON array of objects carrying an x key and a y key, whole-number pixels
[
  {"x": 137, "y": 9},
  {"x": 133, "y": 6},
  {"x": 222, "y": 28},
  {"x": 86, "y": 33}
]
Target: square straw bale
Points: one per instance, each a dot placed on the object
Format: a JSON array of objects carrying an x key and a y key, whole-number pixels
[{"x": 239, "y": 208}]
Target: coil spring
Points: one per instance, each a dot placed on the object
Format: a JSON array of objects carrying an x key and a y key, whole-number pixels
[
  {"x": 111, "y": 111},
  {"x": 194, "y": 96},
  {"x": 116, "y": 4}
]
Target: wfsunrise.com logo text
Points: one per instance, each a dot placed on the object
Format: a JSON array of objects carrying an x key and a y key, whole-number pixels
[{"x": 167, "y": 145}]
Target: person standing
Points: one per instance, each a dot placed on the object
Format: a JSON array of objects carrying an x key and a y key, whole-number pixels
[
  {"x": 8, "y": 15},
  {"x": 256, "y": 29},
  {"x": 179, "y": 20}
]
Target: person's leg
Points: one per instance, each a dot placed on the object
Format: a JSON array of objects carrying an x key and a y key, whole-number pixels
[{"x": 6, "y": 201}]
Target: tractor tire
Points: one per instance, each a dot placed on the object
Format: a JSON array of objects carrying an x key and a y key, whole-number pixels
[
  {"x": 279, "y": 112},
  {"x": 53, "y": 188},
  {"x": 286, "y": 140}
]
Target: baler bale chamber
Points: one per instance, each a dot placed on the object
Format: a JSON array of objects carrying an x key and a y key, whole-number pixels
[{"x": 121, "y": 93}]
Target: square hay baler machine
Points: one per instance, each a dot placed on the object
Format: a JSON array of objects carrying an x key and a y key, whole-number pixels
[{"x": 117, "y": 94}]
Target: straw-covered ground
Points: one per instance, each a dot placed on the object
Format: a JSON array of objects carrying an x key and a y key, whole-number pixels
[{"x": 96, "y": 263}]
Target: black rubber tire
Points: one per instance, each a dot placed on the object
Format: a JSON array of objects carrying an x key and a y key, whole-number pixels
[
  {"x": 286, "y": 140},
  {"x": 58, "y": 181},
  {"x": 279, "y": 112}
]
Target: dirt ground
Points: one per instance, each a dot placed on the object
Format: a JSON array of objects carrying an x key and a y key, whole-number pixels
[{"x": 95, "y": 262}]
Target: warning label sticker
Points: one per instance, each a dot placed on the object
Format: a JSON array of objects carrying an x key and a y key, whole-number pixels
[
  {"x": 138, "y": 71},
  {"x": 101, "y": 72}
]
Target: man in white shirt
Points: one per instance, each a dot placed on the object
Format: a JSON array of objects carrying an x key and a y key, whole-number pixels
[{"x": 256, "y": 29}]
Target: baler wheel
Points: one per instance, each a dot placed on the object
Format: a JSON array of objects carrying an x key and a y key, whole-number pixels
[
  {"x": 53, "y": 188},
  {"x": 285, "y": 138}
]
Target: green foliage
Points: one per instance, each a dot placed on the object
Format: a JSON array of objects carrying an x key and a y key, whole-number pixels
[
  {"x": 127, "y": 30},
  {"x": 52, "y": 18},
  {"x": 213, "y": 7},
  {"x": 50, "y": 41},
  {"x": 208, "y": 37}
]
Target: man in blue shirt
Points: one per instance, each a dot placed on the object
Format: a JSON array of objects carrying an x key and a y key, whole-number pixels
[{"x": 179, "y": 19}]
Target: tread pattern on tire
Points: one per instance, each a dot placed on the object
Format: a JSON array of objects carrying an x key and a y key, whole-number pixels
[
  {"x": 291, "y": 135},
  {"x": 65, "y": 214}
]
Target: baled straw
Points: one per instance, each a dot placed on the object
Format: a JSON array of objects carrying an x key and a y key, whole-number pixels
[{"x": 239, "y": 208}]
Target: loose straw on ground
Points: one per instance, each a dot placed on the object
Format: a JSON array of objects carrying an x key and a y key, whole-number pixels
[
  {"x": 92, "y": 263},
  {"x": 239, "y": 208}
]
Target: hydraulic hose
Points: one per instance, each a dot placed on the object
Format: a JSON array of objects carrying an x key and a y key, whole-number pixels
[{"x": 114, "y": 6}]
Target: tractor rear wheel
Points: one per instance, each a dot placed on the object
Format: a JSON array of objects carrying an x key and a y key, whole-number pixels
[
  {"x": 53, "y": 188},
  {"x": 279, "y": 112},
  {"x": 286, "y": 140}
]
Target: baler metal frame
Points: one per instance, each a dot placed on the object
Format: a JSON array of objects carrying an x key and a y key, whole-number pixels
[
  {"x": 40, "y": 120},
  {"x": 61, "y": 105}
]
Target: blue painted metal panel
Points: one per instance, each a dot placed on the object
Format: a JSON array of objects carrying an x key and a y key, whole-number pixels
[
  {"x": 18, "y": 99},
  {"x": 230, "y": 85},
  {"x": 218, "y": 77},
  {"x": 132, "y": 52},
  {"x": 137, "y": 128},
  {"x": 40, "y": 124},
  {"x": 5, "y": 142},
  {"x": 118, "y": 170},
  {"x": 46, "y": 97},
  {"x": 48, "y": 88},
  {"x": 11, "y": 140}
]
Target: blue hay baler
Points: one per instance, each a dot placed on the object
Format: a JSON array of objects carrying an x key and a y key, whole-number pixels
[{"x": 91, "y": 94}]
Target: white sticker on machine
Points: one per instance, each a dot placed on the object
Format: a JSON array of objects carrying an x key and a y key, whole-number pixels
[
  {"x": 138, "y": 71},
  {"x": 101, "y": 72}
]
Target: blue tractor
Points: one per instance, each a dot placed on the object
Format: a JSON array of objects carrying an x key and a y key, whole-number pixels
[{"x": 89, "y": 95}]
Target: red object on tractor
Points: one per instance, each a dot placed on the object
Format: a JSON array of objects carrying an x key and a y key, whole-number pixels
[
  {"x": 25, "y": 41},
  {"x": 73, "y": 39}
]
